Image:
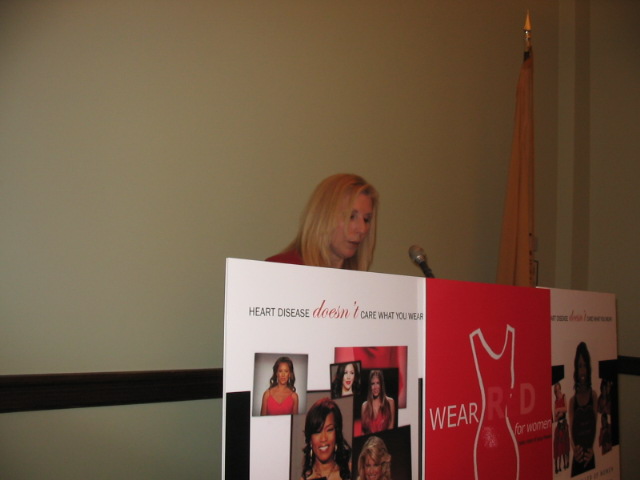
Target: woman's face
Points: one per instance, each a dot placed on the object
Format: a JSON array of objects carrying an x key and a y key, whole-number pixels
[
  {"x": 323, "y": 443},
  {"x": 375, "y": 387},
  {"x": 582, "y": 369},
  {"x": 345, "y": 242},
  {"x": 283, "y": 373},
  {"x": 372, "y": 470},
  {"x": 348, "y": 377}
]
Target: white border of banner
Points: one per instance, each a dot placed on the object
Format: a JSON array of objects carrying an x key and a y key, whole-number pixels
[{"x": 271, "y": 288}]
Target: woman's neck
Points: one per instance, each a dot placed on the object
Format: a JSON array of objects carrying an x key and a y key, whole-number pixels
[
  {"x": 582, "y": 388},
  {"x": 337, "y": 262},
  {"x": 325, "y": 469}
]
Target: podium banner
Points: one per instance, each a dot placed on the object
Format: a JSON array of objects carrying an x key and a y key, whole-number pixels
[
  {"x": 326, "y": 369},
  {"x": 585, "y": 385},
  {"x": 330, "y": 325},
  {"x": 487, "y": 377}
]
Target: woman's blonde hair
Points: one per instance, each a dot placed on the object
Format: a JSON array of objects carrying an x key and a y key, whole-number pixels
[
  {"x": 375, "y": 449},
  {"x": 329, "y": 204}
]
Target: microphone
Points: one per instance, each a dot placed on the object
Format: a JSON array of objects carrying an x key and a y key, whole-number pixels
[{"x": 420, "y": 258}]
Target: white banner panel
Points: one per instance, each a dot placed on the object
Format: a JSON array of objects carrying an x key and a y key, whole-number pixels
[
  {"x": 585, "y": 385},
  {"x": 317, "y": 318}
]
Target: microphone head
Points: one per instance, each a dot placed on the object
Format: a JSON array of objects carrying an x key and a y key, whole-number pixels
[{"x": 417, "y": 254}]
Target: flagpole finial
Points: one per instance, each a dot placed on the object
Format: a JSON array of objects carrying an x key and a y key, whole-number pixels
[
  {"x": 527, "y": 23},
  {"x": 527, "y": 36}
]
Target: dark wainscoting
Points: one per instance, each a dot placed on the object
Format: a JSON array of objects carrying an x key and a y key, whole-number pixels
[{"x": 22, "y": 393}]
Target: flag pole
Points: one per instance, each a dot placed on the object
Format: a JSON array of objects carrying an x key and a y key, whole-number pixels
[{"x": 516, "y": 261}]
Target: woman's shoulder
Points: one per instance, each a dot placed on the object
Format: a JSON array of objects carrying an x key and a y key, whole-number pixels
[{"x": 292, "y": 256}]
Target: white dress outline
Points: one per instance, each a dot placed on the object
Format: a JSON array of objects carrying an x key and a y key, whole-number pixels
[{"x": 510, "y": 333}]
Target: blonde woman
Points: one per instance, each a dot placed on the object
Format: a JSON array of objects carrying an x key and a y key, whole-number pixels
[
  {"x": 338, "y": 227},
  {"x": 374, "y": 461}
]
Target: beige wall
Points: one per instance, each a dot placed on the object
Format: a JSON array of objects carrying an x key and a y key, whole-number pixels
[
  {"x": 614, "y": 198},
  {"x": 142, "y": 143}
]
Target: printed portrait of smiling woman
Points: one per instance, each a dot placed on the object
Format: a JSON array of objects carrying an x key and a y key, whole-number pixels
[
  {"x": 378, "y": 410},
  {"x": 374, "y": 461},
  {"x": 281, "y": 397},
  {"x": 346, "y": 381},
  {"x": 326, "y": 452}
]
